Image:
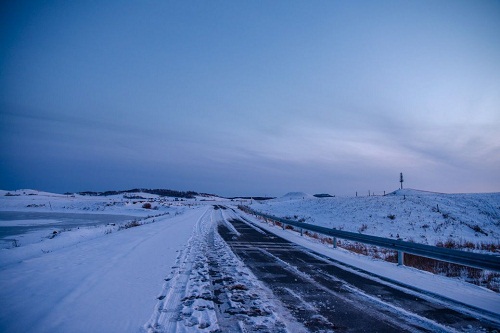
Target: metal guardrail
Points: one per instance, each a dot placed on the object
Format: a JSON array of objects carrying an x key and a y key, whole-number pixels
[{"x": 470, "y": 259}]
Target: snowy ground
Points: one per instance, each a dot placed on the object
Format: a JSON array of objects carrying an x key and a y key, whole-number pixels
[
  {"x": 103, "y": 284},
  {"x": 55, "y": 210},
  {"x": 210, "y": 289},
  {"x": 127, "y": 204},
  {"x": 173, "y": 272},
  {"x": 410, "y": 215},
  {"x": 168, "y": 274}
]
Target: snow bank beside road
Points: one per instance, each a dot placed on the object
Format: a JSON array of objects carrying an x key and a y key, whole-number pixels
[{"x": 107, "y": 284}]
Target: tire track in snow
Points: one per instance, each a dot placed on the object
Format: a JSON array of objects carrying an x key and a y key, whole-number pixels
[
  {"x": 210, "y": 290},
  {"x": 169, "y": 312}
]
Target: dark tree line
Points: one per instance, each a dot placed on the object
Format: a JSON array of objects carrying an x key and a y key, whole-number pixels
[{"x": 160, "y": 192}]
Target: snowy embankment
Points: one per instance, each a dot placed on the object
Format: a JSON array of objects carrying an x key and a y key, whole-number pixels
[
  {"x": 457, "y": 220},
  {"x": 106, "y": 284}
]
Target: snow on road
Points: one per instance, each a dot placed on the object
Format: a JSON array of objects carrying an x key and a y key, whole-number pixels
[
  {"x": 105, "y": 284},
  {"x": 453, "y": 289},
  {"x": 210, "y": 289}
]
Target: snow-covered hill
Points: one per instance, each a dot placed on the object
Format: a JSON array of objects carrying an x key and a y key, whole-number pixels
[
  {"x": 122, "y": 204},
  {"x": 294, "y": 196},
  {"x": 463, "y": 220}
]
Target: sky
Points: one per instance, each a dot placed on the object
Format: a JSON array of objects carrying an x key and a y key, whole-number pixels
[{"x": 250, "y": 97}]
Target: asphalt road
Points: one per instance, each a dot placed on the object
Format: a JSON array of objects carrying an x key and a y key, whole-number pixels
[{"x": 325, "y": 297}]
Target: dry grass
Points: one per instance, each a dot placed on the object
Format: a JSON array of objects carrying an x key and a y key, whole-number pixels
[
  {"x": 468, "y": 245},
  {"x": 484, "y": 278},
  {"x": 130, "y": 224}
]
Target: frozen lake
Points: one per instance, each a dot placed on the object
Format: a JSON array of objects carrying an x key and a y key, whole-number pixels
[{"x": 18, "y": 223}]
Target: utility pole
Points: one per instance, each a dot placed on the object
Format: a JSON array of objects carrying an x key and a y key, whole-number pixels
[{"x": 401, "y": 179}]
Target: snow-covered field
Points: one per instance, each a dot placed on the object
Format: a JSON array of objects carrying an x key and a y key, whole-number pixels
[
  {"x": 150, "y": 277},
  {"x": 88, "y": 279},
  {"x": 469, "y": 220},
  {"x": 154, "y": 271},
  {"x": 41, "y": 215},
  {"x": 126, "y": 204},
  {"x": 106, "y": 282}
]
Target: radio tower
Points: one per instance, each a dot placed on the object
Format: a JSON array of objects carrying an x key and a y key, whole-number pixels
[{"x": 401, "y": 179}]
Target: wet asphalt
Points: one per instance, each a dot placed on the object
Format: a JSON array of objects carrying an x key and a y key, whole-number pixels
[{"x": 325, "y": 297}]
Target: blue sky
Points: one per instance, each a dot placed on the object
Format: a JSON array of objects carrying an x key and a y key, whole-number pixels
[{"x": 250, "y": 97}]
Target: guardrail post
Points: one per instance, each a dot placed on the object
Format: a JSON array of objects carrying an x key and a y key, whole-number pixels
[
  {"x": 301, "y": 232},
  {"x": 283, "y": 224},
  {"x": 334, "y": 242},
  {"x": 401, "y": 256}
]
